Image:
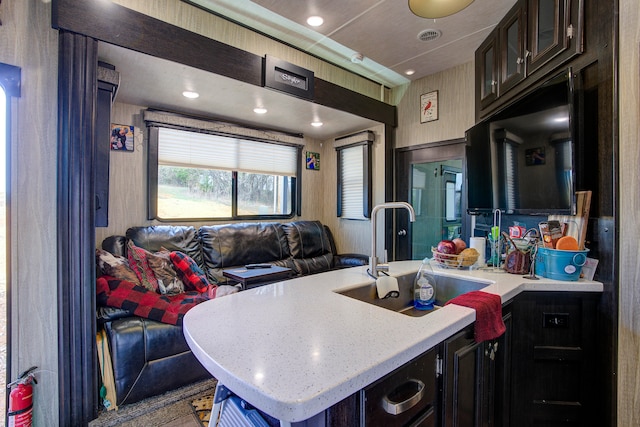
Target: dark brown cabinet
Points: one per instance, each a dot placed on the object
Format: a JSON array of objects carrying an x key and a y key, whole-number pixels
[
  {"x": 476, "y": 376},
  {"x": 540, "y": 372},
  {"x": 554, "y": 30},
  {"x": 487, "y": 71},
  {"x": 532, "y": 34},
  {"x": 554, "y": 375},
  {"x": 405, "y": 397}
]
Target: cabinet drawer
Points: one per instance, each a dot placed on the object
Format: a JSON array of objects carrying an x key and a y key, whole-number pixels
[{"x": 404, "y": 397}]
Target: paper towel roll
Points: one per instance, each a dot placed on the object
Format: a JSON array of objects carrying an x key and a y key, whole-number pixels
[{"x": 479, "y": 244}]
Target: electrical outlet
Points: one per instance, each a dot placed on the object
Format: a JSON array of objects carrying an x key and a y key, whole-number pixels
[{"x": 555, "y": 320}]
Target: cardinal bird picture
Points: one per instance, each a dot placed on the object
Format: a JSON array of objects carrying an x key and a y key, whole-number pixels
[{"x": 429, "y": 107}]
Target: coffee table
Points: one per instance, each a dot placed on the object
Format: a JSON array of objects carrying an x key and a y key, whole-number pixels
[{"x": 251, "y": 278}]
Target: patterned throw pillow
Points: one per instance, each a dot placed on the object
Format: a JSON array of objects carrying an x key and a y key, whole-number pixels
[
  {"x": 189, "y": 272},
  {"x": 168, "y": 281},
  {"x": 115, "y": 266},
  {"x": 139, "y": 264}
]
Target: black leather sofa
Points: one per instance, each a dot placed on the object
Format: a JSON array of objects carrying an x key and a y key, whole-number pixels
[{"x": 149, "y": 357}]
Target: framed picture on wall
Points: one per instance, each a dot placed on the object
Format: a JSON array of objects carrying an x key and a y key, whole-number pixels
[
  {"x": 313, "y": 160},
  {"x": 429, "y": 107},
  {"x": 122, "y": 137}
]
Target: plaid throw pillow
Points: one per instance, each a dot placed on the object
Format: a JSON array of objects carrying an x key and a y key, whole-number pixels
[
  {"x": 189, "y": 272},
  {"x": 139, "y": 264}
]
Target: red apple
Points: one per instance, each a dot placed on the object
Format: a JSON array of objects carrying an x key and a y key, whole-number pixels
[
  {"x": 446, "y": 247},
  {"x": 460, "y": 245}
]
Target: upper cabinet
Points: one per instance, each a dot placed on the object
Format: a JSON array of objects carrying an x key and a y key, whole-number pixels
[{"x": 534, "y": 33}]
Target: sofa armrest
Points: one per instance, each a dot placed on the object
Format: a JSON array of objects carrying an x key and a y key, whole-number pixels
[{"x": 350, "y": 260}]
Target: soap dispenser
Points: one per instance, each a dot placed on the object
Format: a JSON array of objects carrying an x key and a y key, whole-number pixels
[{"x": 424, "y": 295}]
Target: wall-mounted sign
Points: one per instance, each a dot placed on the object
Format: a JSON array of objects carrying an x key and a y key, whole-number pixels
[{"x": 289, "y": 78}]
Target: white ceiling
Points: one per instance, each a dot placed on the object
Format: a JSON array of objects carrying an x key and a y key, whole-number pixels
[{"x": 384, "y": 31}]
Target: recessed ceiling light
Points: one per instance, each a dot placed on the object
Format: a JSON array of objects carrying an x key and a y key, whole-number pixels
[
  {"x": 410, "y": 72},
  {"x": 315, "y": 21},
  {"x": 260, "y": 110},
  {"x": 189, "y": 94},
  {"x": 316, "y": 124}
]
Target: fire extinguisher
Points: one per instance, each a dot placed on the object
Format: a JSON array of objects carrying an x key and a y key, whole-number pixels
[{"x": 20, "y": 412}]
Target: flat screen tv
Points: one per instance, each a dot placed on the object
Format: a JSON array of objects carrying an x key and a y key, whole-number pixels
[{"x": 521, "y": 160}]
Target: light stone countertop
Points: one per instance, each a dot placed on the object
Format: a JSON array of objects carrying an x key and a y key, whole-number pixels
[{"x": 295, "y": 348}]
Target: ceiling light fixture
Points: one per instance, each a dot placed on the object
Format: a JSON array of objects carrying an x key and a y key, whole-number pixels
[
  {"x": 437, "y": 8},
  {"x": 316, "y": 124},
  {"x": 315, "y": 21},
  {"x": 189, "y": 94},
  {"x": 260, "y": 110},
  {"x": 410, "y": 72}
]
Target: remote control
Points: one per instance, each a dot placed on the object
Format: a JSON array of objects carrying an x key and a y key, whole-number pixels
[{"x": 254, "y": 266}]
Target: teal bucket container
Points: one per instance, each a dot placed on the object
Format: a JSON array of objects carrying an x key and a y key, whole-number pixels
[
  {"x": 540, "y": 267},
  {"x": 561, "y": 265}
]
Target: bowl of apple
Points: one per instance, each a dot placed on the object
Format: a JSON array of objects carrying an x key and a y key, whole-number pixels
[{"x": 454, "y": 254}]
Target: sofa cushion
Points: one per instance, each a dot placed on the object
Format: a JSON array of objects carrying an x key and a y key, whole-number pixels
[
  {"x": 313, "y": 265},
  {"x": 191, "y": 275},
  {"x": 139, "y": 264},
  {"x": 307, "y": 239},
  {"x": 149, "y": 358},
  {"x": 232, "y": 245},
  {"x": 172, "y": 237}
]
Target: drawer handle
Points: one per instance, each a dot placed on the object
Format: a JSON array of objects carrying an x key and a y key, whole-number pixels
[{"x": 397, "y": 408}]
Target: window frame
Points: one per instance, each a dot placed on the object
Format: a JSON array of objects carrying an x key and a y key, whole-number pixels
[
  {"x": 366, "y": 182},
  {"x": 152, "y": 178}
]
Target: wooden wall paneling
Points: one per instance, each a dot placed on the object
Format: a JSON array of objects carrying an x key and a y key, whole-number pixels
[
  {"x": 31, "y": 200},
  {"x": 628, "y": 375},
  {"x": 456, "y": 107}
]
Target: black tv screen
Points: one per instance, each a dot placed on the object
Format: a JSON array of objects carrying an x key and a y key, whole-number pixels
[{"x": 521, "y": 159}]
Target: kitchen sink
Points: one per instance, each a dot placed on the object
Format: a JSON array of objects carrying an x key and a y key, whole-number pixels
[{"x": 446, "y": 288}]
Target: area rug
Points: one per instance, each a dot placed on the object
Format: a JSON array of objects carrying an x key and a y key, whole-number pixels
[
  {"x": 202, "y": 407},
  {"x": 160, "y": 410}
]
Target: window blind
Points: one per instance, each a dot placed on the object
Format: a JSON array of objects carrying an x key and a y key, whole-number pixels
[
  {"x": 511, "y": 172},
  {"x": 202, "y": 150},
  {"x": 352, "y": 172}
]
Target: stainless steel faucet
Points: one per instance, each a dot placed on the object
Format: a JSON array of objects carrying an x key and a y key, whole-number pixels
[{"x": 374, "y": 267}]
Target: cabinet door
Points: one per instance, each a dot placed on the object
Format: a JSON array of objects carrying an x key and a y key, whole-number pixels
[
  {"x": 555, "y": 27},
  {"x": 405, "y": 397},
  {"x": 465, "y": 381},
  {"x": 513, "y": 37},
  {"x": 554, "y": 372},
  {"x": 477, "y": 377},
  {"x": 487, "y": 57}
]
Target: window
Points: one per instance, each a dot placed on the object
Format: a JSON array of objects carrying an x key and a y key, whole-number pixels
[
  {"x": 205, "y": 175},
  {"x": 354, "y": 177}
]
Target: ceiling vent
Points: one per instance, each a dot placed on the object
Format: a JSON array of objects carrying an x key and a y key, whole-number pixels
[{"x": 429, "y": 35}]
